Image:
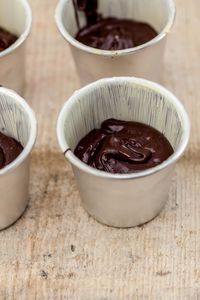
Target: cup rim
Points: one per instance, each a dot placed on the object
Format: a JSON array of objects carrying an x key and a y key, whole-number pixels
[
  {"x": 33, "y": 131},
  {"x": 111, "y": 53},
  {"x": 24, "y": 35},
  {"x": 119, "y": 80}
]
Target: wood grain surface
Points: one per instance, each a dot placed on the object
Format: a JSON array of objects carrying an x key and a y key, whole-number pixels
[{"x": 56, "y": 251}]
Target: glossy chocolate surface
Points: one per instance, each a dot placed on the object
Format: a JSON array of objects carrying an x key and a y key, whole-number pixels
[
  {"x": 110, "y": 33},
  {"x": 10, "y": 149},
  {"x": 6, "y": 39},
  {"x": 123, "y": 147}
]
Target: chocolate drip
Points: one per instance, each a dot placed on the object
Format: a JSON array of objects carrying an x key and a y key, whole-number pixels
[
  {"x": 123, "y": 147},
  {"x": 89, "y": 7},
  {"x": 9, "y": 150},
  {"x": 6, "y": 39},
  {"x": 110, "y": 33}
]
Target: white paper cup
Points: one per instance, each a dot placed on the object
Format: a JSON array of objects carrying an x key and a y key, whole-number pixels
[
  {"x": 18, "y": 121},
  {"x": 16, "y": 17},
  {"x": 142, "y": 61},
  {"x": 123, "y": 200}
]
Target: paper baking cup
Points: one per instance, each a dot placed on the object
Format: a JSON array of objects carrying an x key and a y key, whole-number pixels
[
  {"x": 142, "y": 61},
  {"x": 123, "y": 200},
  {"x": 18, "y": 121},
  {"x": 16, "y": 17}
]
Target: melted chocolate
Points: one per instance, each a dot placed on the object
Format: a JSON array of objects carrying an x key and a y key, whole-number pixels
[
  {"x": 89, "y": 7},
  {"x": 123, "y": 147},
  {"x": 6, "y": 39},
  {"x": 9, "y": 150},
  {"x": 110, "y": 33}
]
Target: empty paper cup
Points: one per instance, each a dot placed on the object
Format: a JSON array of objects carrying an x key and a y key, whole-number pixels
[
  {"x": 123, "y": 200},
  {"x": 17, "y": 120},
  {"x": 15, "y": 17},
  {"x": 142, "y": 61}
]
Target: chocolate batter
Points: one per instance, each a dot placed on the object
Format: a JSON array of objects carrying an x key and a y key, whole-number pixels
[
  {"x": 110, "y": 33},
  {"x": 123, "y": 147},
  {"x": 6, "y": 39},
  {"x": 9, "y": 150}
]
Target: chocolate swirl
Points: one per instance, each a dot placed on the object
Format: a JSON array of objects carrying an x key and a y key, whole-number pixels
[
  {"x": 123, "y": 147},
  {"x": 9, "y": 150},
  {"x": 110, "y": 33},
  {"x": 115, "y": 34},
  {"x": 6, "y": 39}
]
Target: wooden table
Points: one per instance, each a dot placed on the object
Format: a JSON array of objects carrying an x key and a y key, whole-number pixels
[{"x": 56, "y": 251}]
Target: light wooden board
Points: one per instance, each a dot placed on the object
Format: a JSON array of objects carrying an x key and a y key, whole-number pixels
[{"x": 56, "y": 251}]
